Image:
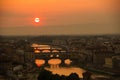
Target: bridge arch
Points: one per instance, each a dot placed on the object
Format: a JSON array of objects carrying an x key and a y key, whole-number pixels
[{"x": 48, "y": 48}]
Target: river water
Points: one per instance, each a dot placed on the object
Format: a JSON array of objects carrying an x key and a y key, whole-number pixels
[
  {"x": 56, "y": 69},
  {"x": 67, "y": 71}
]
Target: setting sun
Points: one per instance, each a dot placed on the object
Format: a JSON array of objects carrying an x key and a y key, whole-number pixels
[{"x": 37, "y": 20}]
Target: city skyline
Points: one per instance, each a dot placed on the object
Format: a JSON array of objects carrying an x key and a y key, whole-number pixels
[{"x": 61, "y": 17}]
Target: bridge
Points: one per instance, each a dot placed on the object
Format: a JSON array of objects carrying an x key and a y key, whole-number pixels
[
  {"x": 49, "y": 52},
  {"x": 73, "y": 57},
  {"x": 48, "y": 48}
]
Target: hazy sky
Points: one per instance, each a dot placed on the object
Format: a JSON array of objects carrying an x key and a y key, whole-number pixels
[{"x": 59, "y": 17}]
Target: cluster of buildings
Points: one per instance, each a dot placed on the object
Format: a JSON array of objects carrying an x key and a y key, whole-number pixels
[
  {"x": 12, "y": 61},
  {"x": 96, "y": 52},
  {"x": 93, "y": 52}
]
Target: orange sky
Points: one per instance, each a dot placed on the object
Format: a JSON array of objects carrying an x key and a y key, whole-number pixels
[{"x": 82, "y": 14}]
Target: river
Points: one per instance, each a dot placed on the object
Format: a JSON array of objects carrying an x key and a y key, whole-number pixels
[{"x": 66, "y": 71}]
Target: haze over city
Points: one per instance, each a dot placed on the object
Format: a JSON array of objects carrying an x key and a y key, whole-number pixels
[
  {"x": 59, "y": 40},
  {"x": 59, "y": 17}
]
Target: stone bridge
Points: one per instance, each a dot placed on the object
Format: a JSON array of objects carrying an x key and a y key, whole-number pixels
[
  {"x": 61, "y": 56},
  {"x": 48, "y": 52}
]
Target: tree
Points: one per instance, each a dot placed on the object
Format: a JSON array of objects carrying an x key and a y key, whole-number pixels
[
  {"x": 45, "y": 75},
  {"x": 73, "y": 76},
  {"x": 63, "y": 77},
  {"x": 55, "y": 77}
]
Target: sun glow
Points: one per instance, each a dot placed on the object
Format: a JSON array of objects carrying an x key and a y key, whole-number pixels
[{"x": 37, "y": 20}]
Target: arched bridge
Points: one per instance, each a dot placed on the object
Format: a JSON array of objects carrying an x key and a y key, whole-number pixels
[{"x": 48, "y": 48}]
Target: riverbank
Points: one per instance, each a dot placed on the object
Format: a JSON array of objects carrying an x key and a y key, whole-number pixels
[{"x": 101, "y": 70}]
